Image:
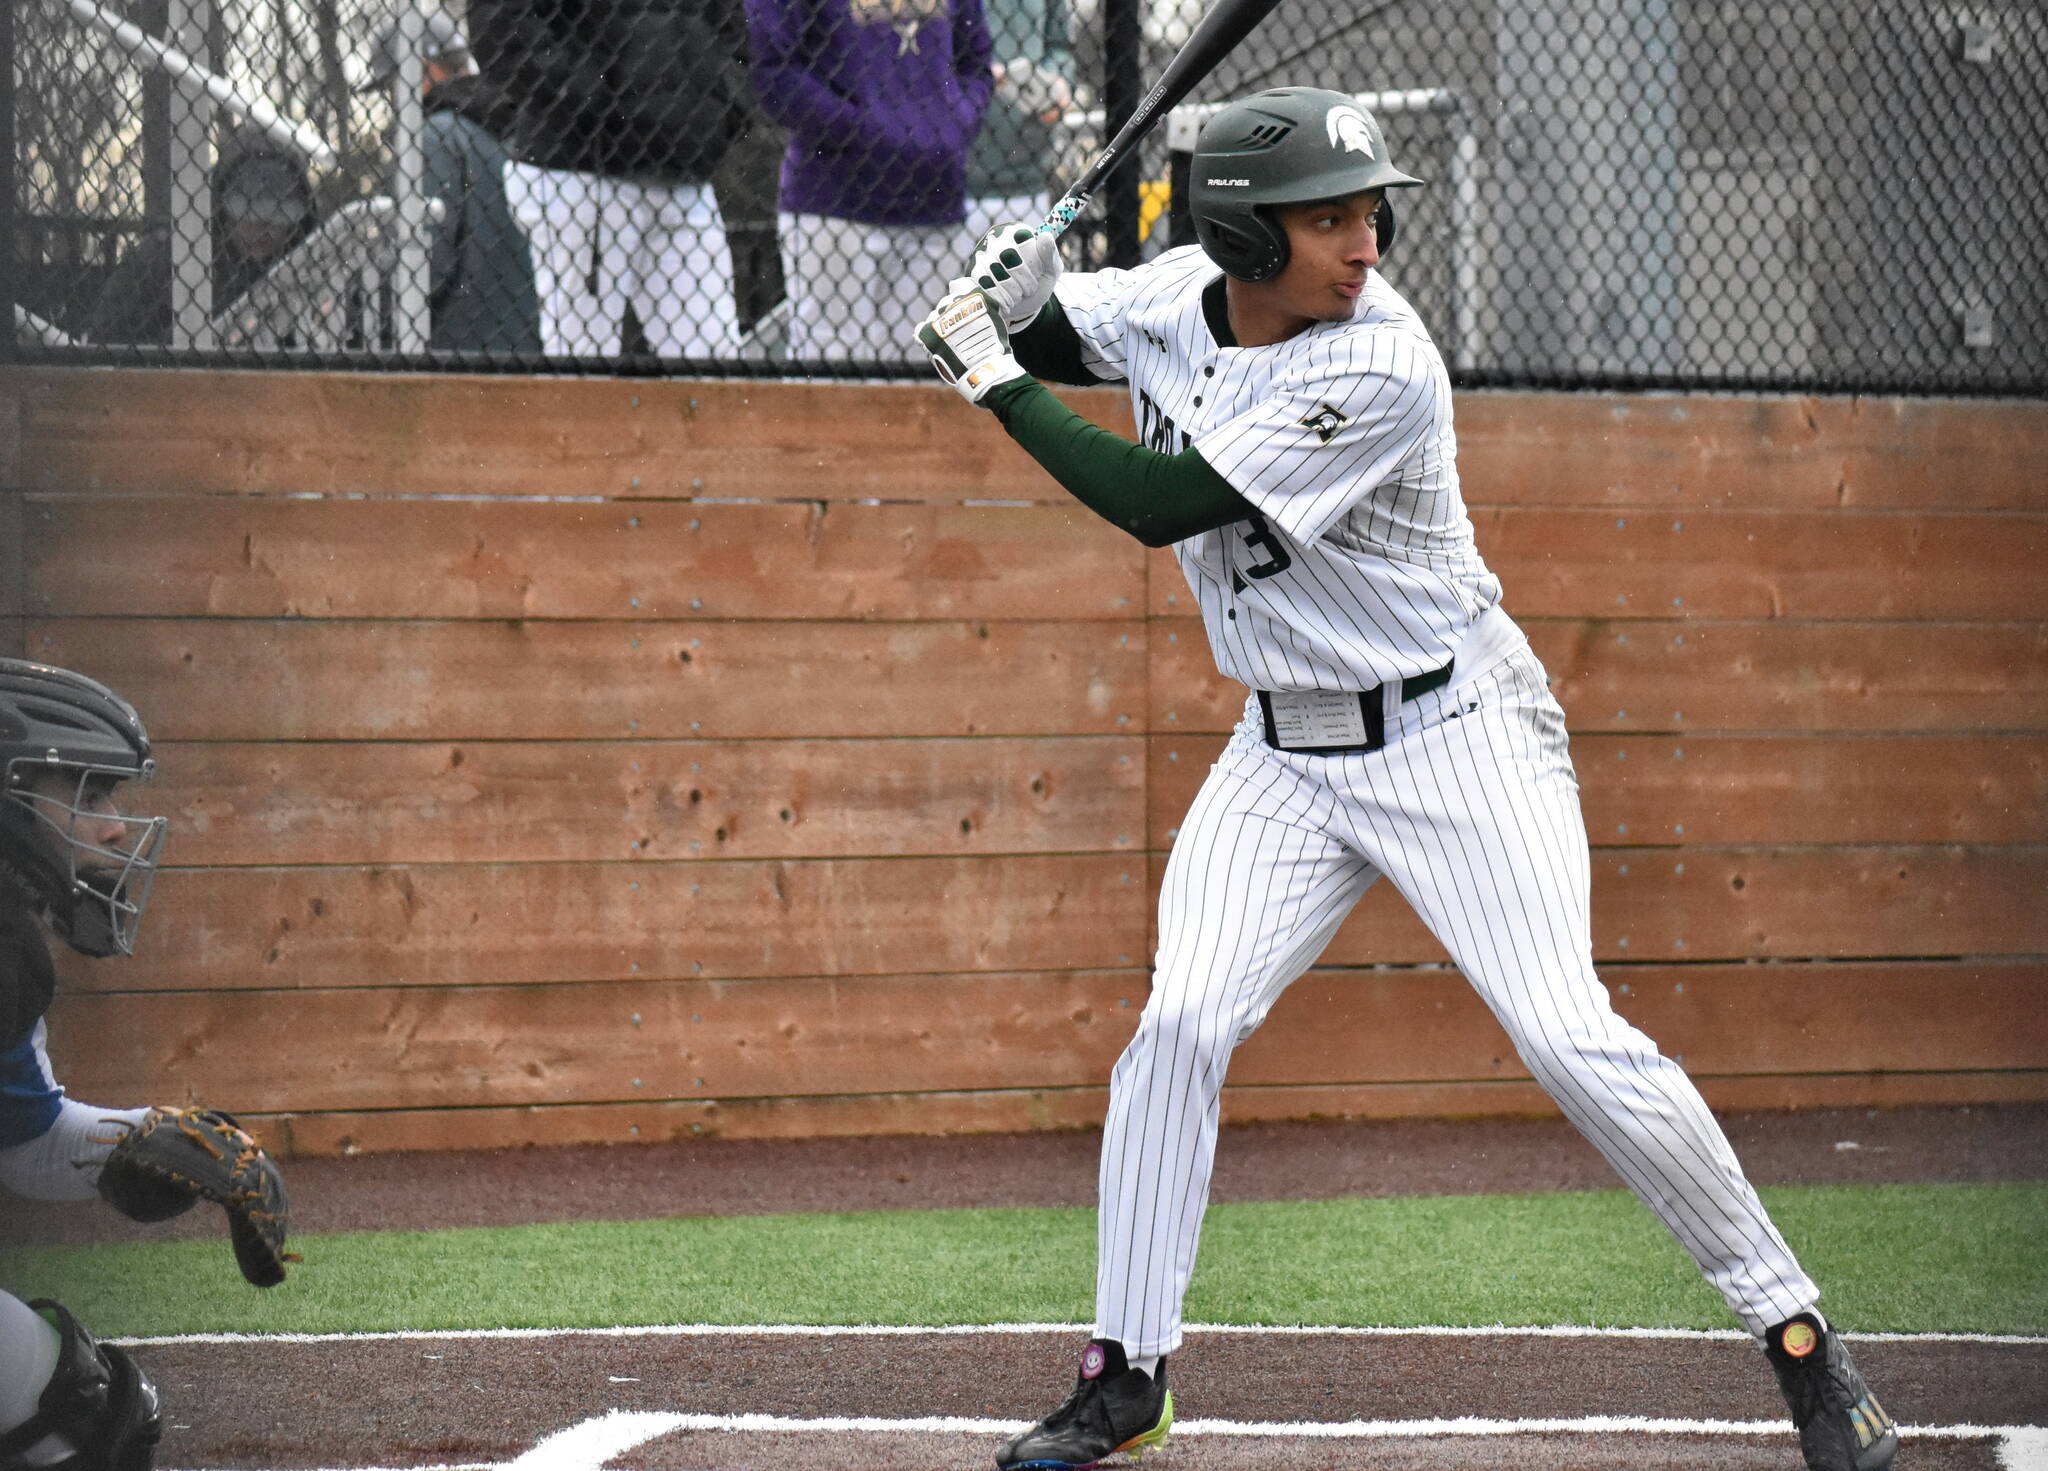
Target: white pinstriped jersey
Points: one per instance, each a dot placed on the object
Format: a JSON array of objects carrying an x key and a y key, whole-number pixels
[{"x": 1361, "y": 566}]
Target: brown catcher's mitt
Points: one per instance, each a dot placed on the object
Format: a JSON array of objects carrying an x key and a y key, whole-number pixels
[{"x": 178, "y": 1155}]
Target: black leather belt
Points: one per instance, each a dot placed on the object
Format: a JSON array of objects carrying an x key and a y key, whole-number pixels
[{"x": 1368, "y": 730}]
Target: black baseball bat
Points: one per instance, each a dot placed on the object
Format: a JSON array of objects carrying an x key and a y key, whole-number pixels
[{"x": 1227, "y": 23}]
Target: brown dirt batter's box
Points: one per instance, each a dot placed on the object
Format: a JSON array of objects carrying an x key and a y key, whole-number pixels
[{"x": 733, "y": 1399}]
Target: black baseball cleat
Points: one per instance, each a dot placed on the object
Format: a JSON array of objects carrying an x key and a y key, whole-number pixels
[
  {"x": 1113, "y": 1408},
  {"x": 1841, "y": 1425}
]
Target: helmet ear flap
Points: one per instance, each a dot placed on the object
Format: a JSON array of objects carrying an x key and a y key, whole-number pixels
[
  {"x": 1252, "y": 246},
  {"x": 1273, "y": 247},
  {"x": 1246, "y": 242}
]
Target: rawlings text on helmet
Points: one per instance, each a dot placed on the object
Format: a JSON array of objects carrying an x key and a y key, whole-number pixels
[{"x": 66, "y": 744}]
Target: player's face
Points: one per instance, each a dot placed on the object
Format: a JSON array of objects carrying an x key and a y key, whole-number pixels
[
  {"x": 1332, "y": 244},
  {"x": 80, "y": 813}
]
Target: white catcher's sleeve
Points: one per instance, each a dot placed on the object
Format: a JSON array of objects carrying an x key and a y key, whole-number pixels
[
  {"x": 63, "y": 1162},
  {"x": 1376, "y": 408}
]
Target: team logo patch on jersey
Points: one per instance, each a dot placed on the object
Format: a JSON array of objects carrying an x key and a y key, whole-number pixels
[
  {"x": 1325, "y": 421},
  {"x": 1350, "y": 130}
]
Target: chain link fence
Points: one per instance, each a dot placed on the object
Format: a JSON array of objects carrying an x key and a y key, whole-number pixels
[{"x": 1812, "y": 195}]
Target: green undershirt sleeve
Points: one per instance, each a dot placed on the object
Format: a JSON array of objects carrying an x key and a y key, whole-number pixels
[
  {"x": 1158, "y": 498},
  {"x": 1050, "y": 348}
]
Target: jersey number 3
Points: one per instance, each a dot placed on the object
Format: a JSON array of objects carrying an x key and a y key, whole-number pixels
[{"x": 1258, "y": 538}]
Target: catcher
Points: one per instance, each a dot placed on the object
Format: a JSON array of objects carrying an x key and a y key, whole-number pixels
[{"x": 74, "y": 866}]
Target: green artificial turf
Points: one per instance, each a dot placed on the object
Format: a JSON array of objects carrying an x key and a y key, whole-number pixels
[{"x": 1903, "y": 1258}]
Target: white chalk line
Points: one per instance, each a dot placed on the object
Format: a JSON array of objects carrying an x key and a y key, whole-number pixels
[
  {"x": 589, "y": 1445},
  {"x": 897, "y": 1330},
  {"x": 648, "y": 1424}
]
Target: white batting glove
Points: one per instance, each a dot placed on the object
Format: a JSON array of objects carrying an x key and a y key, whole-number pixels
[
  {"x": 1015, "y": 267},
  {"x": 969, "y": 346}
]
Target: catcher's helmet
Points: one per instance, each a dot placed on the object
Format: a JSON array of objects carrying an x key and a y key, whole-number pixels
[
  {"x": 65, "y": 742},
  {"x": 1291, "y": 145}
]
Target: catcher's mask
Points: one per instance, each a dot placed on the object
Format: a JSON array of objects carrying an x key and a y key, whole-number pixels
[
  {"x": 1291, "y": 145},
  {"x": 66, "y": 743}
]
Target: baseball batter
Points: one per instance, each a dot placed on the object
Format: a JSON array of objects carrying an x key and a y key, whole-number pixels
[{"x": 1298, "y": 454}]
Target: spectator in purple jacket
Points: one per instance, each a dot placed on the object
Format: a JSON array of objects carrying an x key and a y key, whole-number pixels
[{"x": 882, "y": 100}]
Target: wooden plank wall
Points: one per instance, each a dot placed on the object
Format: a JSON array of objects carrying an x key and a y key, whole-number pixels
[{"x": 590, "y": 760}]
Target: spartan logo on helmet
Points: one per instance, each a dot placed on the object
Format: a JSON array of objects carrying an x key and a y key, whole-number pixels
[{"x": 1350, "y": 130}]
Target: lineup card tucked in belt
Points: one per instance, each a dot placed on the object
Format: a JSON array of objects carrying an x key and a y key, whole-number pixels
[{"x": 1322, "y": 722}]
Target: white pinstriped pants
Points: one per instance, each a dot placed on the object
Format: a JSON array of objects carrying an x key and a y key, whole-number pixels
[{"x": 1472, "y": 809}]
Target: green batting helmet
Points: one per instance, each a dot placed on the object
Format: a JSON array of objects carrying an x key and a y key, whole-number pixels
[{"x": 1291, "y": 145}]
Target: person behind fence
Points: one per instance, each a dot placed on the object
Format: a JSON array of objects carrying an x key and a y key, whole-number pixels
[
  {"x": 77, "y": 867},
  {"x": 619, "y": 115},
  {"x": 881, "y": 99},
  {"x": 263, "y": 206},
  {"x": 1009, "y": 169},
  {"x": 480, "y": 288}
]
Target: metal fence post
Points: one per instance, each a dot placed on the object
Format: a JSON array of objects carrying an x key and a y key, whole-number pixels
[
  {"x": 16, "y": 258},
  {"x": 408, "y": 121},
  {"x": 191, "y": 187},
  {"x": 1468, "y": 342},
  {"x": 1123, "y": 87}
]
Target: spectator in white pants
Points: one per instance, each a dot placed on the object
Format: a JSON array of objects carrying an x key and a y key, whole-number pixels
[
  {"x": 852, "y": 287},
  {"x": 602, "y": 245},
  {"x": 619, "y": 115}
]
